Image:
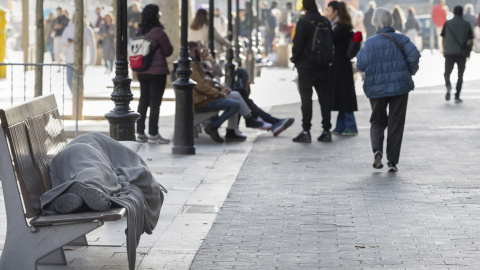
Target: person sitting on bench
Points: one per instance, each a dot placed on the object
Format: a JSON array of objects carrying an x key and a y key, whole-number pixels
[{"x": 209, "y": 96}]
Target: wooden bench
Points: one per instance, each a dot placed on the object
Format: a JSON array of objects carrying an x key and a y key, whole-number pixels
[{"x": 31, "y": 135}]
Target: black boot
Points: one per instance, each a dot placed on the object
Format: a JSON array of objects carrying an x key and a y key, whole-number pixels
[
  {"x": 251, "y": 122},
  {"x": 232, "y": 136},
  {"x": 213, "y": 132}
]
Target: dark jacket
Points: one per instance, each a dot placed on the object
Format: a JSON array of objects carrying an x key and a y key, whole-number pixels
[
  {"x": 367, "y": 21},
  {"x": 412, "y": 23},
  {"x": 303, "y": 36},
  {"x": 463, "y": 32},
  {"x": 340, "y": 79},
  {"x": 159, "y": 64},
  {"x": 388, "y": 72}
]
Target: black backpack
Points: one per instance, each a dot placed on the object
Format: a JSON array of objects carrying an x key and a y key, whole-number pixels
[
  {"x": 321, "y": 45},
  {"x": 240, "y": 82}
]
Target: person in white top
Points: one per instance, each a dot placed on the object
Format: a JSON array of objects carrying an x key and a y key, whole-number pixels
[
  {"x": 67, "y": 42},
  {"x": 220, "y": 23},
  {"x": 198, "y": 31}
]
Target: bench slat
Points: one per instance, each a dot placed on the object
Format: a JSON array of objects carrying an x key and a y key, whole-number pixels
[{"x": 113, "y": 214}]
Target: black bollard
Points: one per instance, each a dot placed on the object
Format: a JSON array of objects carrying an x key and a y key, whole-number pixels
[
  {"x": 122, "y": 119},
  {"x": 183, "y": 134},
  {"x": 211, "y": 36},
  {"x": 250, "y": 55},
  {"x": 237, "y": 36},
  {"x": 229, "y": 66}
]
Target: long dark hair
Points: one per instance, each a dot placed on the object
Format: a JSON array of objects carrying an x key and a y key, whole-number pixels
[
  {"x": 342, "y": 12},
  {"x": 201, "y": 19},
  {"x": 149, "y": 18}
]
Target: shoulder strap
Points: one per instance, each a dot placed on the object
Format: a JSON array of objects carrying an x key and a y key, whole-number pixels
[{"x": 394, "y": 40}]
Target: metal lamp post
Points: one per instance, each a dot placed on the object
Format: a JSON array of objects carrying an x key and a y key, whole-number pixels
[
  {"x": 229, "y": 66},
  {"x": 183, "y": 133},
  {"x": 257, "y": 36},
  {"x": 121, "y": 118},
  {"x": 237, "y": 30},
  {"x": 211, "y": 28},
  {"x": 250, "y": 56}
]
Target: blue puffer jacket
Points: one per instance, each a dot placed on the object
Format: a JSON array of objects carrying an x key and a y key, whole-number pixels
[{"x": 387, "y": 71}]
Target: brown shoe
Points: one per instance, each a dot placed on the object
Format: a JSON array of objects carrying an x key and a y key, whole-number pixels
[{"x": 213, "y": 132}]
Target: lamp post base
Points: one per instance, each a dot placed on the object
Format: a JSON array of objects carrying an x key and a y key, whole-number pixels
[{"x": 122, "y": 125}]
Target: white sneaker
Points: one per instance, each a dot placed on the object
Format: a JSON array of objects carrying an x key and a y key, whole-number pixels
[{"x": 158, "y": 139}]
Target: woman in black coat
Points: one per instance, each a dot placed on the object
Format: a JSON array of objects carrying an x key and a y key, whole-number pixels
[{"x": 341, "y": 85}]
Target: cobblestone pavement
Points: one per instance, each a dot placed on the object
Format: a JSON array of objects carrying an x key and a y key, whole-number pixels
[{"x": 323, "y": 206}]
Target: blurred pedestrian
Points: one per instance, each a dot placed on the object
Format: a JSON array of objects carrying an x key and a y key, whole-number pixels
[
  {"x": 311, "y": 75},
  {"x": 270, "y": 27},
  {"x": 398, "y": 19},
  {"x": 412, "y": 26},
  {"x": 153, "y": 81},
  {"x": 107, "y": 32},
  {"x": 285, "y": 24},
  {"x": 220, "y": 23},
  {"x": 133, "y": 19},
  {"x": 367, "y": 21},
  {"x": 99, "y": 20},
  {"x": 49, "y": 34},
  {"x": 340, "y": 84},
  {"x": 469, "y": 15},
  {"x": 357, "y": 17},
  {"x": 439, "y": 17},
  {"x": 456, "y": 34},
  {"x": 389, "y": 60},
  {"x": 198, "y": 30},
  {"x": 59, "y": 25}
]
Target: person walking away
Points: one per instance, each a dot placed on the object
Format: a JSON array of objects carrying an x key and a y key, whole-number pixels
[
  {"x": 59, "y": 25},
  {"x": 412, "y": 27},
  {"x": 469, "y": 15},
  {"x": 341, "y": 85},
  {"x": 388, "y": 80},
  {"x": 311, "y": 75},
  {"x": 398, "y": 19},
  {"x": 439, "y": 17},
  {"x": 456, "y": 34},
  {"x": 153, "y": 80},
  {"x": 107, "y": 32},
  {"x": 367, "y": 21}
]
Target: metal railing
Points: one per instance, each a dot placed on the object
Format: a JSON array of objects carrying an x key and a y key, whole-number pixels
[{"x": 29, "y": 89}]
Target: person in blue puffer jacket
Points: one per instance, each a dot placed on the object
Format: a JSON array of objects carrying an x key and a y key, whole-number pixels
[{"x": 389, "y": 60}]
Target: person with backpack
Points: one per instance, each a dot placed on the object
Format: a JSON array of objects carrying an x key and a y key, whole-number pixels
[
  {"x": 389, "y": 60},
  {"x": 153, "y": 80},
  {"x": 312, "y": 66},
  {"x": 457, "y": 40},
  {"x": 341, "y": 85}
]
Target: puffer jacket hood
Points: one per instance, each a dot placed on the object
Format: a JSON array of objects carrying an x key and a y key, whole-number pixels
[{"x": 388, "y": 72}]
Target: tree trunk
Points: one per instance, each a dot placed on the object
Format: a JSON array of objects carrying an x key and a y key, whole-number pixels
[
  {"x": 78, "y": 61},
  {"x": 40, "y": 49}
]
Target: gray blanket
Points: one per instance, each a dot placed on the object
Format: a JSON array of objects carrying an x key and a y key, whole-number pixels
[{"x": 99, "y": 161}]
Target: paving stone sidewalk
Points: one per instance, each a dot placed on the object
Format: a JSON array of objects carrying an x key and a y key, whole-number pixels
[{"x": 323, "y": 206}]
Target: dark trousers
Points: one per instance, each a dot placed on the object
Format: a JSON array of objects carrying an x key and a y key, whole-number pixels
[
  {"x": 450, "y": 61},
  {"x": 152, "y": 88},
  {"x": 395, "y": 121},
  {"x": 318, "y": 80}
]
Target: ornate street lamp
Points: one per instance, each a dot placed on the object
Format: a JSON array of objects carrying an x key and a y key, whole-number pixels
[
  {"x": 250, "y": 55},
  {"x": 229, "y": 66},
  {"x": 121, "y": 118},
  {"x": 183, "y": 133}
]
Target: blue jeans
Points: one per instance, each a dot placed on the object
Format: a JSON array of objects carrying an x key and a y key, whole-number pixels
[
  {"x": 346, "y": 122},
  {"x": 109, "y": 64},
  {"x": 230, "y": 107}
]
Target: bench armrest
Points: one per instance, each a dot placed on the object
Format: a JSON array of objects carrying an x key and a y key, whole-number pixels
[{"x": 113, "y": 214}]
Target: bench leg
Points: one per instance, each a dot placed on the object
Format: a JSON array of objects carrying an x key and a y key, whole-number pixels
[
  {"x": 56, "y": 258},
  {"x": 79, "y": 242},
  {"x": 23, "y": 248}
]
